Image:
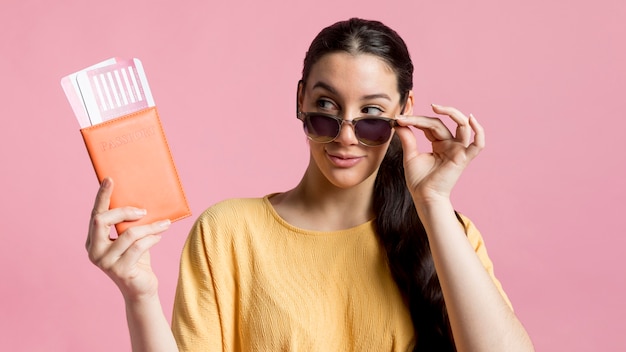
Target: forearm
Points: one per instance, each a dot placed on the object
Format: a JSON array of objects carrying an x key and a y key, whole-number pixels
[
  {"x": 480, "y": 318},
  {"x": 148, "y": 327}
]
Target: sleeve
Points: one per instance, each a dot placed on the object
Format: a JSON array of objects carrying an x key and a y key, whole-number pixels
[
  {"x": 196, "y": 319},
  {"x": 477, "y": 242}
]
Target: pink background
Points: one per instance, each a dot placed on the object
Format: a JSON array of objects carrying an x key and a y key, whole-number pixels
[{"x": 546, "y": 79}]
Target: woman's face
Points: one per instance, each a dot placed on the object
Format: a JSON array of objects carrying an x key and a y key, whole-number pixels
[{"x": 350, "y": 86}]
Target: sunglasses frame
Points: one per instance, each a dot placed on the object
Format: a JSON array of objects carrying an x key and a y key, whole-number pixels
[{"x": 302, "y": 116}]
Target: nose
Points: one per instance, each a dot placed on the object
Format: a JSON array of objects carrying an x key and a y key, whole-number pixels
[{"x": 347, "y": 135}]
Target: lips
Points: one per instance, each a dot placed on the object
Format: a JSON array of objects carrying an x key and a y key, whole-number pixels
[{"x": 344, "y": 160}]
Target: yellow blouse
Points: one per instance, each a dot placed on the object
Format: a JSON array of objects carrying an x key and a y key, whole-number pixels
[{"x": 249, "y": 281}]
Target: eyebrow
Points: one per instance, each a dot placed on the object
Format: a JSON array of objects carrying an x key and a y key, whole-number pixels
[{"x": 327, "y": 87}]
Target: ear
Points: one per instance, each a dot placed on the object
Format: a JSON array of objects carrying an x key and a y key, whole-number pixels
[
  {"x": 299, "y": 96},
  {"x": 408, "y": 106}
]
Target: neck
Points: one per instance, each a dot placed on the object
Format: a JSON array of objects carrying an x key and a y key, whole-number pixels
[{"x": 317, "y": 204}]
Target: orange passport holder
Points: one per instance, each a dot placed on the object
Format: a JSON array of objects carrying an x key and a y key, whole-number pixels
[{"x": 133, "y": 151}]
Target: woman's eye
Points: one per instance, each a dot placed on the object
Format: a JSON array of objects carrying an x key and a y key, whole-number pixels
[
  {"x": 372, "y": 110},
  {"x": 326, "y": 104}
]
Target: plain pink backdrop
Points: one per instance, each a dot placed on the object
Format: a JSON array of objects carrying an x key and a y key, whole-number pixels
[{"x": 546, "y": 79}]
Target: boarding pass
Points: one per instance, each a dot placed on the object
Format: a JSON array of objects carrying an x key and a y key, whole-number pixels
[{"x": 106, "y": 90}]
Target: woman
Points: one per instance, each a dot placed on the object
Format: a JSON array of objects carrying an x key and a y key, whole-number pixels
[{"x": 365, "y": 253}]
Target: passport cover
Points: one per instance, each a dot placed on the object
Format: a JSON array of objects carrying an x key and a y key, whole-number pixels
[{"x": 133, "y": 151}]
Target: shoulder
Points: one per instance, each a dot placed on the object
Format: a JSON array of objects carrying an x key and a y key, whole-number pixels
[
  {"x": 227, "y": 221},
  {"x": 235, "y": 215},
  {"x": 236, "y": 208}
]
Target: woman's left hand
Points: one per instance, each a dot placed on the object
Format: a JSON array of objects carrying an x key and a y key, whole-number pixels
[{"x": 431, "y": 176}]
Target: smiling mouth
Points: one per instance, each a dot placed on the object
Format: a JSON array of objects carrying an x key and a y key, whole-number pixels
[
  {"x": 344, "y": 160},
  {"x": 343, "y": 157}
]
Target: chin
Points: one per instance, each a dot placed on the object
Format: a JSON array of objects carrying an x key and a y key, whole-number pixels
[{"x": 347, "y": 179}]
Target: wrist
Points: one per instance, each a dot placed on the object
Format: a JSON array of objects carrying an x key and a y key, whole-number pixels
[
  {"x": 430, "y": 209},
  {"x": 433, "y": 201},
  {"x": 140, "y": 308},
  {"x": 143, "y": 299}
]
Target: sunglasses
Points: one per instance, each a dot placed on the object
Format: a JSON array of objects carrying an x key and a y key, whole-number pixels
[{"x": 324, "y": 128}]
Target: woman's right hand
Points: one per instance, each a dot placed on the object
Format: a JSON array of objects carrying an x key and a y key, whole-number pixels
[{"x": 126, "y": 259}]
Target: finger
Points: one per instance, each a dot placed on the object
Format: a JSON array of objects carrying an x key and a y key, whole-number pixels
[
  {"x": 132, "y": 243},
  {"x": 479, "y": 138},
  {"x": 136, "y": 249},
  {"x": 118, "y": 215},
  {"x": 125, "y": 268},
  {"x": 98, "y": 239},
  {"x": 463, "y": 129},
  {"x": 103, "y": 198},
  {"x": 101, "y": 204},
  {"x": 409, "y": 142},
  {"x": 433, "y": 128}
]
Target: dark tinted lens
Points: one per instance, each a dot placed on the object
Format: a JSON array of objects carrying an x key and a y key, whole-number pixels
[
  {"x": 321, "y": 128},
  {"x": 373, "y": 131}
]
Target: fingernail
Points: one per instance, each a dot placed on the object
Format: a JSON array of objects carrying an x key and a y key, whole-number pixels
[
  {"x": 435, "y": 105},
  {"x": 141, "y": 212},
  {"x": 163, "y": 223},
  {"x": 106, "y": 183}
]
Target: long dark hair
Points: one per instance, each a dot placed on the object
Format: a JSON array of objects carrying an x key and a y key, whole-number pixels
[{"x": 398, "y": 226}]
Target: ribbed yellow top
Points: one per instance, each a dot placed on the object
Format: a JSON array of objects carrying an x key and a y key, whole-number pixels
[{"x": 249, "y": 281}]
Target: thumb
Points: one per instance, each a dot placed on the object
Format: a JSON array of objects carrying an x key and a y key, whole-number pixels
[{"x": 409, "y": 142}]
